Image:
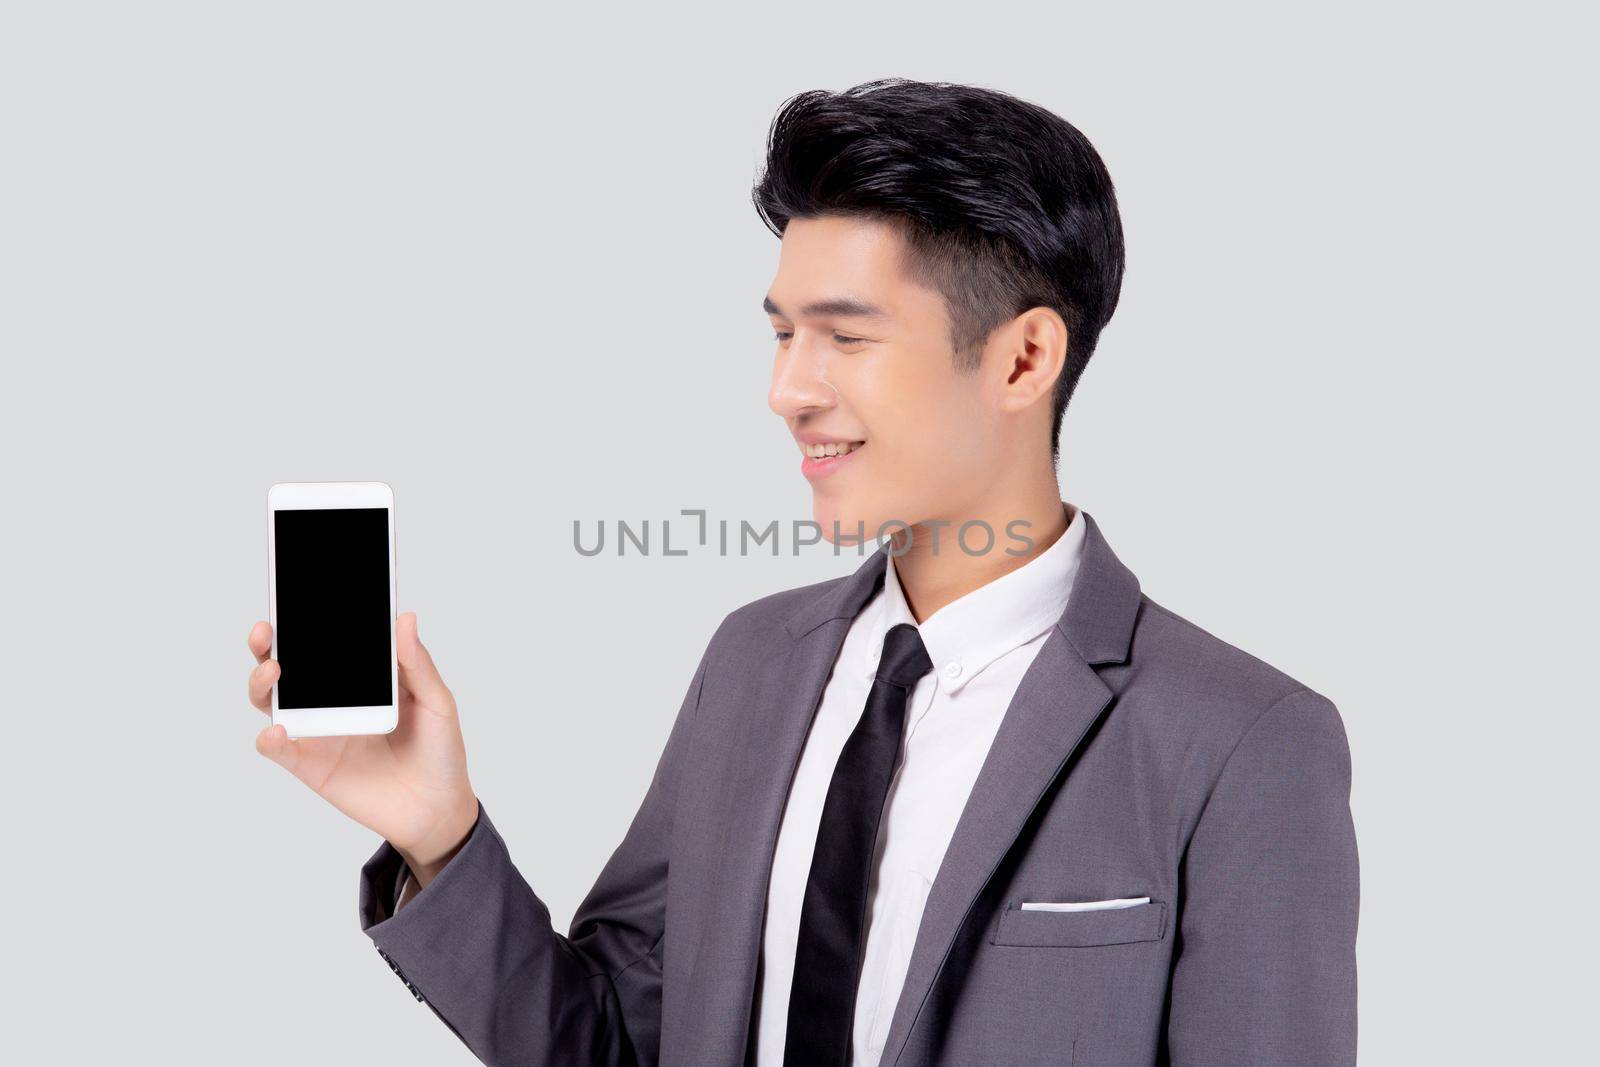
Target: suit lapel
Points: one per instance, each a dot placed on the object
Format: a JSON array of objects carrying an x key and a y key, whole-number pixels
[
  {"x": 1056, "y": 703},
  {"x": 782, "y": 695}
]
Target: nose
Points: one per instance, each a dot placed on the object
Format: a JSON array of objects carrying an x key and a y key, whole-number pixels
[{"x": 798, "y": 385}]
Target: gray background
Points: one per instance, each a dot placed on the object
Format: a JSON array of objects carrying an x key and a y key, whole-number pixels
[{"x": 506, "y": 262}]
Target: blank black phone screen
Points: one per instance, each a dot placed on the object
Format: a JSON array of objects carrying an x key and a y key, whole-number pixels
[{"x": 332, "y": 568}]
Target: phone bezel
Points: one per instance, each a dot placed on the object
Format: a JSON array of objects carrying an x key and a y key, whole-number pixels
[{"x": 332, "y": 722}]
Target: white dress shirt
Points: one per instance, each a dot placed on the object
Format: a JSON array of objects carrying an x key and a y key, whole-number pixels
[{"x": 980, "y": 646}]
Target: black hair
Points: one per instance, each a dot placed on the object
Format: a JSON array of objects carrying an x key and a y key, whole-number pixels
[{"x": 1003, "y": 204}]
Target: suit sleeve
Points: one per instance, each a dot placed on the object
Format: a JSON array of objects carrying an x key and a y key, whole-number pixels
[
  {"x": 1266, "y": 968},
  {"x": 477, "y": 944}
]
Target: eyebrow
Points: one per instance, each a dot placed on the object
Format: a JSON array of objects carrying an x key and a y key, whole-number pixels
[{"x": 837, "y": 307}]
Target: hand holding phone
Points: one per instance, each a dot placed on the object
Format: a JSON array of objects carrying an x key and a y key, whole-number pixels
[{"x": 409, "y": 784}]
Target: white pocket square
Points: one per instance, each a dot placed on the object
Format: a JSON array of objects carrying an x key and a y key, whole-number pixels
[{"x": 1085, "y": 905}]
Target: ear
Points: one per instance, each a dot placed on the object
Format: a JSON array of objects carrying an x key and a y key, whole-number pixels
[{"x": 1031, "y": 351}]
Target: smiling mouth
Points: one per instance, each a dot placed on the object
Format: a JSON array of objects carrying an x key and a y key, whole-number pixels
[
  {"x": 830, "y": 449},
  {"x": 822, "y": 460}
]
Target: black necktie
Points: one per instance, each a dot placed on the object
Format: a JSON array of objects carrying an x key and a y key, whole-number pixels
[{"x": 833, "y": 916}]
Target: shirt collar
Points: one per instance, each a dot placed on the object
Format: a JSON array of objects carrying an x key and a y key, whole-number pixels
[{"x": 968, "y": 634}]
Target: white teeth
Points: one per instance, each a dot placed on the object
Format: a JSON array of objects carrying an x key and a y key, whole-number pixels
[{"x": 832, "y": 448}]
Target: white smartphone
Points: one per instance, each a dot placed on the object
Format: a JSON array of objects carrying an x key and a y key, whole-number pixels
[{"x": 330, "y": 586}]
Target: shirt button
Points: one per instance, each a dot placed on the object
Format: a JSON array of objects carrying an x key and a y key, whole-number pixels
[{"x": 952, "y": 670}]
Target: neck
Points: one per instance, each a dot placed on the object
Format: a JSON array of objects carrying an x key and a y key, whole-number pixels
[{"x": 933, "y": 578}]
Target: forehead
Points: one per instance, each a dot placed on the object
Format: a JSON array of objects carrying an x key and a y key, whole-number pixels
[{"x": 837, "y": 258}]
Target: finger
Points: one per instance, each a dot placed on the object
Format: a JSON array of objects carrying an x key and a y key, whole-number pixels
[
  {"x": 261, "y": 678},
  {"x": 417, "y": 673},
  {"x": 260, "y": 640},
  {"x": 274, "y": 743}
]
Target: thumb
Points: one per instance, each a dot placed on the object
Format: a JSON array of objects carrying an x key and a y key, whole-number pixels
[
  {"x": 418, "y": 675},
  {"x": 274, "y": 743}
]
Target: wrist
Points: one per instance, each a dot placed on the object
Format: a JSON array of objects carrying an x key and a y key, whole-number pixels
[{"x": 426, "y": 859}]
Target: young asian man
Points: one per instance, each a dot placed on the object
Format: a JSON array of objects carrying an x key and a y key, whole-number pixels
[{"x": 982, "y": 801}]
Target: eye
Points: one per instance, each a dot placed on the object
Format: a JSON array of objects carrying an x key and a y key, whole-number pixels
[{"x": 841, "y": 339}]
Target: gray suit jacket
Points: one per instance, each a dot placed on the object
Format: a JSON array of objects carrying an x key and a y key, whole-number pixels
[{"x": 1141, "y": 756}]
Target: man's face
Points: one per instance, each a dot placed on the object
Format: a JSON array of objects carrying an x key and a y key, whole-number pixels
[{"x": 864, "y": 367}]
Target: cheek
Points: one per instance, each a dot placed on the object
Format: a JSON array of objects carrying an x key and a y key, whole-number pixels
[{"x": 925, "y": 422}]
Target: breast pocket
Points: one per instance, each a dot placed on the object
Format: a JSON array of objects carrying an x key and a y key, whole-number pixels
[{"x": 1076, "y": 926}]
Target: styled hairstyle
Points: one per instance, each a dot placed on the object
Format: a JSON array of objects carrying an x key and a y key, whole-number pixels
[{"x": 1004, "y": 205}]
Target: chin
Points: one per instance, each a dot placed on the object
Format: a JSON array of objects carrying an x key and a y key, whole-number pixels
[
  {"x": 856, "y": 519},
  {"x": 841, "y": 520}
]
